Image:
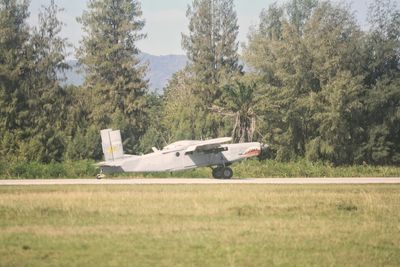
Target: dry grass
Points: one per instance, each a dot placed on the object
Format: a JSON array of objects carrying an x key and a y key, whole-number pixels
[{"x": 234, "y": 225}]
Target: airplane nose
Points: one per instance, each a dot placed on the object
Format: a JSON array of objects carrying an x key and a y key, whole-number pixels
[
  {"x": 252, "y": 152},
  {"x": 263, "y": 152}
]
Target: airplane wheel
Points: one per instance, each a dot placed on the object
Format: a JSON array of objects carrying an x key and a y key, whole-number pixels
[
  {"x": 217, "y": 173},
  {"x": 100, "y": 176},
  {"x": 227, "y": 173}
]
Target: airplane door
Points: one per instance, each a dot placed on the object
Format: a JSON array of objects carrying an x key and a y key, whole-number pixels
[{"x": 198, "y": 160}]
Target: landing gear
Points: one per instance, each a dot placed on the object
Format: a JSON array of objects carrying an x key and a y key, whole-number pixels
[
  {"x": 217, "y": 172},
  {"x": 222, "y": 173},
  {"x": 100, "y": 175},
  {"x": 227, "y": 173}
]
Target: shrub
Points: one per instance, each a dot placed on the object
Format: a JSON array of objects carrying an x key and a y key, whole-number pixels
[
  {"x": 56, "y": 170},
  {"x": 26, "y": 170}
]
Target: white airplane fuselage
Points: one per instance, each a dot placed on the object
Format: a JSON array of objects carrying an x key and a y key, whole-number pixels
[{"x": 175, "y": 158}]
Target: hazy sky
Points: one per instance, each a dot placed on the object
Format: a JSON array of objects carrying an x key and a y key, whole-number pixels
[{"x": 166, "y": 20}]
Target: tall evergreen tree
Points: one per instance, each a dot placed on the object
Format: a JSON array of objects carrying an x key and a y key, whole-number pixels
[
  {"x": 156, "y": 132},
  {"x": 211, "y": 47},
  {"x": 383, "y": 81},
  {"x": 114, "y": 77},
  {"x": 278, "y": 53},
  {"x": 307, "y": 54},
  {"x": 335, "y": 42},
  {"x": 48, "y": 109},
  {"x": 184, "y": 112},
  {"x": 299, "y": 11},
  {"x": 258, "y": 52},
  {"x": 15, "y": 67},
  {"x": 77, "y": 123}
]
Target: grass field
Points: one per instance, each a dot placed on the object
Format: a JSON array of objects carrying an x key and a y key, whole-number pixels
[{"x": 218, "y": 225}]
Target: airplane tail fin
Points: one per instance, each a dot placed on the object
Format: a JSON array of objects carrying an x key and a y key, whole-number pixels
[{"x": 112, "y": 144}]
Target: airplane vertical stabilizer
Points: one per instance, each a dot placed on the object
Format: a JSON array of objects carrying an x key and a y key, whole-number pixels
[{"x": 112, "y": 144}]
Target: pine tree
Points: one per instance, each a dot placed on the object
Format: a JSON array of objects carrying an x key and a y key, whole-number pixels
[
  {"x": 278, "y": 53},
  {"x": 15, "y": 67},
  {"x": 48, "y": 109},
  {"x": 211, "y": 47},
  {"x": 184, "y": 113},
  {"x": 77, "y": 123},
  {"x": 258, "y": 53},
  {"x": 307, "y": 55},
  {"x": 382, "y": 144},
  {"x": 115, "y": 79},
  {"x": 156, "y": 132},
  {"x": 299, "y": 11}
]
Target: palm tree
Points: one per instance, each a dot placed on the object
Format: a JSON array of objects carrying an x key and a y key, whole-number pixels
[{"x": 239, "y": 103}]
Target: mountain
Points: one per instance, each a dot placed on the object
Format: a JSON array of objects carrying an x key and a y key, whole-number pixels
[{"x": 160, "y": 70}]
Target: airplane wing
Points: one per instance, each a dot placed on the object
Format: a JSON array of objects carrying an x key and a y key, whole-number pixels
[{"x": 208, "y": 145}]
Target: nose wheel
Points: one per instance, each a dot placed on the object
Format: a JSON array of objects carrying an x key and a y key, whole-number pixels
[{"x": 222, "y": 173}]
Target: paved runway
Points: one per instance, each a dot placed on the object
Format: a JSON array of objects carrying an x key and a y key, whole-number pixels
[{"x": 183, "y": 181}]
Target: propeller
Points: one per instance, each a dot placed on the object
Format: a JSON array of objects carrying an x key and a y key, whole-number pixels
[{"x": 264, "y": 152}]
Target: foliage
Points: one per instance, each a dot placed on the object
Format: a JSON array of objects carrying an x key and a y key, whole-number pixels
[
  {"x": 317, "y": 85},
  {"x": 36, "y": 170},
  {"x": 245, "y": 169},
  {"x": 240, "y": 103},
  {"x": 382, "y": 143},
  {"x": 212, "y": 50},
  {"x": 15, "y": 69},
  {"x": 114, "y": 77},
  {"x": 47, "y": 102},
  {"x": 32, "y": 100},
  {"x": 320, "y": 101},
  {"x": 156, "y": 130},
  {"x": 184, "y": 113}
]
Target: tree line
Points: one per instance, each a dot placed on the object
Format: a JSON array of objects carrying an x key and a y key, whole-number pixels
[{"x": 311, "y": 82}]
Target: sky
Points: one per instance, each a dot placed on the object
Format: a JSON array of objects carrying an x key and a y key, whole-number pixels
[{"x": 166, "y": 20}]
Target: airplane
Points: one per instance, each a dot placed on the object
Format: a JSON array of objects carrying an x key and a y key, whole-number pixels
[{"x": 181, "y": 155}]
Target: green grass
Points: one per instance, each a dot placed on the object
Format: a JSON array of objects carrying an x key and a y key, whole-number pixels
[
  {"x": 244, "y": 169},
  {"x": 33, "y": 170},
  {"x": 219, "y": 225},
  {"x": 304, "y": 168}
]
